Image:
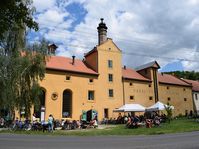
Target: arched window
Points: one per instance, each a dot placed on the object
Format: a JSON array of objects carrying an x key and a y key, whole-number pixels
[
  {"x": 67, "y": 104},
  {"x": 37, "y": 108},
  {"x": 42, "y": 98}
]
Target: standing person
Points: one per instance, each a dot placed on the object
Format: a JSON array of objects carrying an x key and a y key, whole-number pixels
[{"x": 50, "y": 123}]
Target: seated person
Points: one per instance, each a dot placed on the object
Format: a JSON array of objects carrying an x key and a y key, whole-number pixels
[
  {"x": 156, "y": 121},
  {"x": 93, "y": 123},
  {"x": 78, "y": 124},
  {"x": 128, "y": 123},
  {"x": 134, "y": 122},
  {"x": 149, "y": 123},
  {"x": 119, "y": 119}
]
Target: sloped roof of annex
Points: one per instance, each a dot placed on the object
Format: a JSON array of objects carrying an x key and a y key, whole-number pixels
[
  {"x": 171, "y": 80},
  {"x": 194, "y": 83},
  {"x": 61, "y": 63},
  {"x": 129, "y": 73},
  {"x": 152, "y": 64}
]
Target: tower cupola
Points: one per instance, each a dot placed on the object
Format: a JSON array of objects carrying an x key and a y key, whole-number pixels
[
  {"x": 51, "y": 49},
  {"x": 102, "y": 32}
]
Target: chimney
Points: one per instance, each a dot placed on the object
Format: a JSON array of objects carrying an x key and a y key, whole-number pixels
[
  {"x": 73, "y": 62},
  {"x": 162, "y": 73},
  {"x": 102, "y": 32},
  {"x": 125, "y": 67}
]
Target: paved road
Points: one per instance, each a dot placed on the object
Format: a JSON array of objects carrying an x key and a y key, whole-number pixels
[{"x": 169, "y": 141}]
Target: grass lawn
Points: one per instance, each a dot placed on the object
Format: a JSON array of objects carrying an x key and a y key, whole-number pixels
[{"x": 175, "y": 126}]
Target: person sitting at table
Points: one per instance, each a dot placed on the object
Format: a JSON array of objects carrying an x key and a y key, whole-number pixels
[
  {"x": 128, "y": 124},
  {"x": 93, "y": 123},
  {"x": 149, "y": 123}
]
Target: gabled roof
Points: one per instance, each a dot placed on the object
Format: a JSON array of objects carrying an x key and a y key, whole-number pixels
[
  {"x": 170, "y": 79},
  {"x": 152, "y": 64},
  {"x": 95, "y": 48},
  {"x": 65, "y": 64},
  {"x": 129, "y": 73},
  {"x": 109, "y": 40},
  {"x": 195, "y": 84}
]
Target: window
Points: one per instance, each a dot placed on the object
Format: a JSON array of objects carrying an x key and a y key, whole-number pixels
[
  {"x": 110, "y": 77},
  {"x": 167, "y": 87},
  {"x": 109, "y": 48},
  {"x": 150, "y": 98},
  {"x": 67, "y": 77},
  {"x": 185, "y": 99},
  {"x": 90, "y": 95},
  {"x": 110, "y": 64},
  {"x": 41, "y": 104},
  {"x": 196, "y": 96},
  {"x": 67, "y": 104},
  {"x": 131, "y": 84},
  {"x": 149, "y": 85},
  {"x": 184, "y": 89},
  {"x": 168, "y": 98},
  {"x": 110, "y": 92},
  {"x": 131, "y": 97},
  {"x": 91, "y": 80}
]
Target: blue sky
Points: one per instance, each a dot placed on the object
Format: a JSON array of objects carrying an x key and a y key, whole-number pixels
[{"x": 166, "y": 31}]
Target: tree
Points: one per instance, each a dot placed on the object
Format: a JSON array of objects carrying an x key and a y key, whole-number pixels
[
  {"x": 19, "y": 71},
  {"x": 15, "y": 13},
  {"x": 31, "y": 71},
  {"x": 192, "y": 75},
  {"x": 168, "y": 109}
]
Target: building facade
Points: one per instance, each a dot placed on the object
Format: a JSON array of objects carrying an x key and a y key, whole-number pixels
[
  {"x": 195, "y": 94},
  {"x": 99, "y": 82}
]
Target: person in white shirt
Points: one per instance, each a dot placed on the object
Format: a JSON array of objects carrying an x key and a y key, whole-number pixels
[{"x": 50, "y": 123}]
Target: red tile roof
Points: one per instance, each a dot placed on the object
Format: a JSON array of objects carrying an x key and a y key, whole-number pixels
[
  {"x": 170, "y": 79},
  {"x": 129, "y": 73},
  {"x": 65, "y": 64},
  {"x": 195, "y": 84}
]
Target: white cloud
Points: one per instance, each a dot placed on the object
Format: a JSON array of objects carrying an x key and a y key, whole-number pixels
[
  {"x": 42, "y": 5},
  {"x": 193, "y": 2},
  {"x": 158, "y": 28},
  {"x": 51, "y": 18}
]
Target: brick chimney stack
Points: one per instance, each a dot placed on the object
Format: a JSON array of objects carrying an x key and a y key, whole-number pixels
[{"x": 102, "y": 32}]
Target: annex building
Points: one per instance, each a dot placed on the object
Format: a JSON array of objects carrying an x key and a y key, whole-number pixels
[{"x": 99, "y": 82}]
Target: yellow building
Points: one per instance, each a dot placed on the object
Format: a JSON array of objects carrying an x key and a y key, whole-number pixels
[{"x": 72, "y": 86}]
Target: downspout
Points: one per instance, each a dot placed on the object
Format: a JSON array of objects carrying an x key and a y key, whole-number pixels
[
  {"x": 155, "y": 85},
  {"x": 123, "y": 91}
]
